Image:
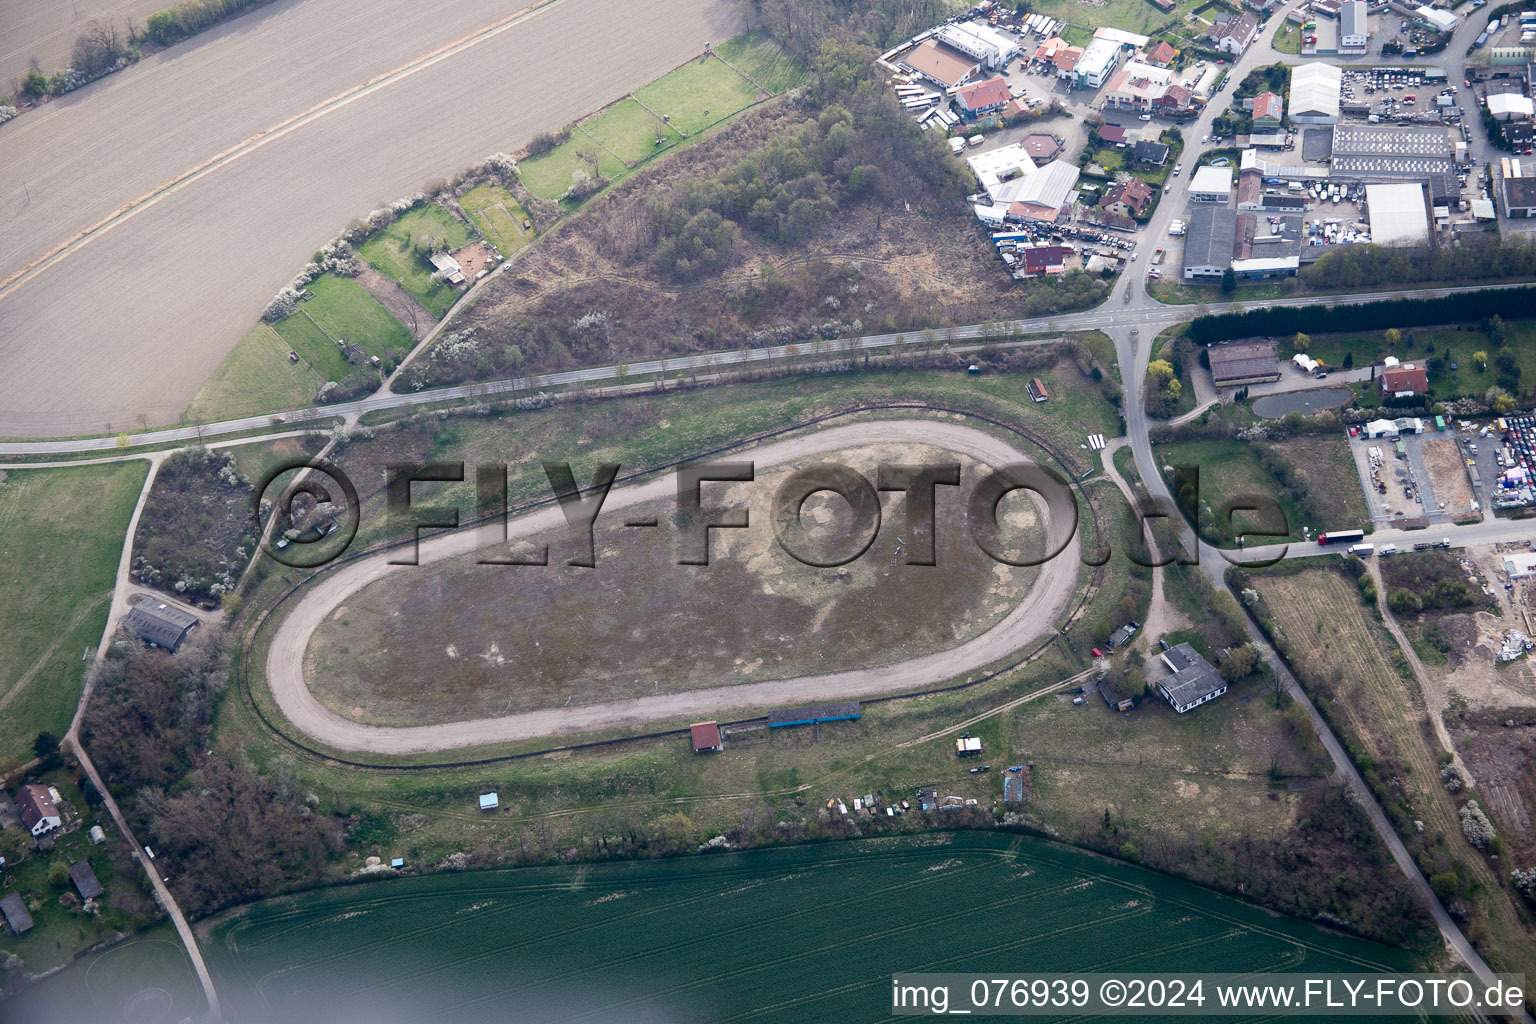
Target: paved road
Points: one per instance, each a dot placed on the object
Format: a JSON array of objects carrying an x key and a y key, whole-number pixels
[
  {"x": 1032, "y": 618},
  {"x": 133, "y": 318}
]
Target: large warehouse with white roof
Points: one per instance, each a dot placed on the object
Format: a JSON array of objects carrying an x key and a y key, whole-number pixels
[
  {"x": 1315, "y": 89},
  {"x": 1398, "y": 213}
]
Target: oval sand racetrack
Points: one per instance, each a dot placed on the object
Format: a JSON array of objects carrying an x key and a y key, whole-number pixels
[{"x": 1031, "y": 618}]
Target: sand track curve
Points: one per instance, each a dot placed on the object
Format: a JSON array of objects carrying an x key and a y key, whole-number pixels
[{"x": 1032, "y": 617}]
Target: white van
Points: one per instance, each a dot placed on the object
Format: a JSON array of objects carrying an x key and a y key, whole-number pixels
[
  {"x": 1387, "y": 549},
  {"x": 1362, "y": 550}
]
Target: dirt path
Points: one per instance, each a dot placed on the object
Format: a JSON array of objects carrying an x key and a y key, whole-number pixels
[
  {"x": 1031, "y": 618},
  {"x": 1433, "y": 693},
  {"x": 1162, "y": 617}
]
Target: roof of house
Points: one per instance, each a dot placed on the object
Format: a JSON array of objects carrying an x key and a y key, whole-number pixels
[
  {"x": 1243, "y": 359},
  {"x": 706, "y": 735},
  {"x": 1134, "y": 194},
  {"x": 1162, "y": 53},
  {"x": 1193, "y": 677},
  {"x": 1239, "y": 29},
  {"x": 85, "y": 880},
  {"x": 35, "y": 803},
  {"x": 161, "y": 624},
  {"x": 991, "y": 93},
  {"x": 1042, "y": 257},
  {"x": 1405, "y": 378},
  {"x": 1268, "y": 104},
  {"x": 939, "y": 62},
  {"x": 1112, "y": 132},
  {"x": 1151, "y": 152},
  {"x": 15, "y": 913}
]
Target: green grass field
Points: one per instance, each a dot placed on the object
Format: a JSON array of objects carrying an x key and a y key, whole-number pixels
[
  {"x": 758, "y": 57},
  {"x": 1228, "y": 470},
  {"x": 498, "y": 216},
  {"x": 1449, "y": 345},
  {"x": 61, "y": 532},
  {"x": 346, "y": 310},
  {"x": 255, "y": 378},
  {"x": 391, "y": 252},
  {"x": 629, "y": 131},
  {"x": 550, "y": 174},
  {"x": 698, "y": 94},
  {"x": 316, "y": 349},
  {"x": 808, "y": 933}
]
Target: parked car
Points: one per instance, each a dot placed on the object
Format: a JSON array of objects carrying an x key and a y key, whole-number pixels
[
  {"x": 1178, "y": 169},
  {"x": 1145, "y": 117},
  {"x": 981, "y": 768}
]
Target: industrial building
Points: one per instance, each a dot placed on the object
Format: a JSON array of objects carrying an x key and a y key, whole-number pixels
[
  {"x": 942, "y": 65},
  {"x": 1505, "y": 106},
  {"x": 1315, "y": 90},
  {"x": 1211, "y": 185},
  {"x": 1208, "y": 242},
  {"x": 1036, "y": 197},
  {"x": 1398, "y": 213},
  {"x": 1354, "y": 31},
  {"x": 1382, "y": 153},
  {"x": 1096, "y": 64},
  {"x": 1244, "y": 362},
  {"x": 981, "y": 42},
  {"x": 1519, "y": 197},
  {"x": 1266, "y": 245},
  {"x": 1193, "y": 681}
]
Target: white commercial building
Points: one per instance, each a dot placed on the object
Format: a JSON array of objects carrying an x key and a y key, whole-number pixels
[
  {"x": 1354, "y": 32},
  {"x": 1211, "y": 185},
  {"x": 1506, "y": 105},
  {"x": 1315, "y": 88},
  {"x": 1440, "y": 21},
  {"x": 1096, "y": 63},
  {"x": 996, "y": 166},
  {"x": 1124, "y": 38},
  {"x": 1398, "y": 213},
  {"x": 983, "y": 42}
]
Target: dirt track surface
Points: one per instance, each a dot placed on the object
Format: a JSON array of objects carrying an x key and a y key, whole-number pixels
[
  {"x": 130, "y": 323},
  {"x": 1033, "y": 617}
]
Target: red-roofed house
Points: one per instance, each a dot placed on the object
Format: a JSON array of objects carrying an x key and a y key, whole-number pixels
[
  {"x": 38, "y": 811},
  {"x": 706, "y": 737},
  {"x": 983, "y": 98},
  {"x": 1268, "y": 110},
  {"x": 1045, "y": 259},
  {"x": 1406, "y": 381},
  {"x": 1129, "y": 199},
  {"x": 1177, "y": 99},
  {"x": 1162, "y": 54},
  {"x": 1113, "y": 134}
]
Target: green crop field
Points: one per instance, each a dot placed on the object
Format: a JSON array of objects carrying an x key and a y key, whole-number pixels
[
  {"x": 61, "y": 532},
  {"x": 758, "y": 57},
  {"x": 498, "y": 216},
  {"x": 798, "y": 934},
  {"x": 629, "y": 131},
  {"x": 346, "y": 310},
  {"x": 147, "y": 978},
  {"x": 391, "y": 252},
  {"x": 698, "y": 94},
  {"x": 255, "y": 378}
]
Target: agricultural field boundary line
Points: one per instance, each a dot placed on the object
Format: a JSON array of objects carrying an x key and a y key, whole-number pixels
[{"x": 243, "y": 673}]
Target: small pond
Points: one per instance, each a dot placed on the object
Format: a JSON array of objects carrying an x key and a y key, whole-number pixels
[{"x": 1272, "y": 407}]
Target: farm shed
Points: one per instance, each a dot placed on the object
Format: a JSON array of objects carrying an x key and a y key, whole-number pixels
[
  {"x": 15, "y": 913},
  {"x": 489, "y": 801},
  {"x": 85, "y": 880},
  {"x": 967, "y": 746},
  {"x": 1193, "y": 681},
  {"x": 161, "y": 624},
  {"x": 706, "y": 737},
  {"x": 814, "y": 713},
  {"x": 1244, "y": 362}
]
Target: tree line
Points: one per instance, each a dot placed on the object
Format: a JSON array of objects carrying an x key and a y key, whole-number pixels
[{"x": 1275, "y": 321}]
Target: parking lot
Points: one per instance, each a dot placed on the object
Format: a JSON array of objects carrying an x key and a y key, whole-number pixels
[{"x": 1397, "y": 487}]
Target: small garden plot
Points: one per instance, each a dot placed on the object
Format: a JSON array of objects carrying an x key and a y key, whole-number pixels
[
  {"x": 760, "y": 59},
  {"x": 344, "y": 310},
  {"x": 549, "y": 175},
  {"x": 400, "y": 251},
  {"x": 698, "y": 94},
  {"x": 498, "y": 216},
  {"x": 630, "y": 132},
  {"x": 314, "y": 348},
  {"x": 256, "y": 377}
]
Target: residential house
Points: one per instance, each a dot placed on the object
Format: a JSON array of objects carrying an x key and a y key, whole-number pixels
[
  {"x": 1113, "y": 135},
  {"x": 982, "y": 99},
  {"x": 1406, "y": 381},
  {"x": 1150, "y": 154},
  {"x": 1234, "y": 34},
  {"x": 1162, "y": 54},
  {"x": 1129, "y": 198},
  {"x": 1041, "y": 260},
  {"x": 1268, "y": 111},
  {"x": 39, "y": 813}
]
